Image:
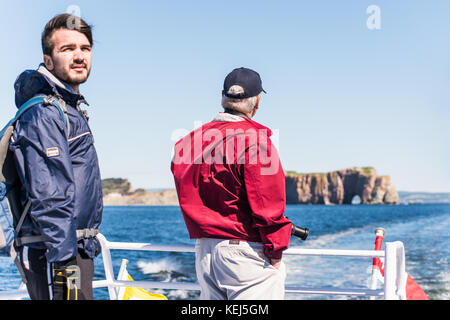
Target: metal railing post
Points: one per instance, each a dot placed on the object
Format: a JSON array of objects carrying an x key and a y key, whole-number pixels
[
  {"x": 401, "y": 271},
  {"x": 390, "y": 271},
  {"x": 107, "y": 264}
]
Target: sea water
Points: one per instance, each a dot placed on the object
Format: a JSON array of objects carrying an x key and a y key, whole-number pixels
[{"x": 423, "y": 229}]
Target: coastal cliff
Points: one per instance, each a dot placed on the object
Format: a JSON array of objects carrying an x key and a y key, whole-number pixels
[
  {"x": 336, "y": 187},
  {"x": 340, "y": 187}
]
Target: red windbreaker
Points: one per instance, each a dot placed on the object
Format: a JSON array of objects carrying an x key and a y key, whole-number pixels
[{"x": 231, "y": 184}]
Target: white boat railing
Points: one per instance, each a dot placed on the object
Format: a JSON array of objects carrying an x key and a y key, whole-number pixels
[{"x": 394, "y": 286}]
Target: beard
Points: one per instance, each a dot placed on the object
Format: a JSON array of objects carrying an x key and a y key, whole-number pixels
[{"x": 72, "y": 77}]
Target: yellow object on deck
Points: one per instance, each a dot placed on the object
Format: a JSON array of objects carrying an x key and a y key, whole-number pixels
[{"x": 134, "y": 293}]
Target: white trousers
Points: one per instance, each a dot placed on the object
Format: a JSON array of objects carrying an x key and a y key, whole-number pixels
[{"x": 231, "y": 270}]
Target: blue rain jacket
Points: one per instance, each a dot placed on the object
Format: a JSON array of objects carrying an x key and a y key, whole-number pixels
[{"x": 59, "y": 170}]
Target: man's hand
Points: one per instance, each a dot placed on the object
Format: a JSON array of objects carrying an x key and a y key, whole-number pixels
[{"x": 276, "y": 263}]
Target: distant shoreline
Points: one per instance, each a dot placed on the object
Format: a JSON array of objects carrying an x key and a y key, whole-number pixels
[
  {"x": 168, "y": 197},
  {"x": 142, "y": 198}
]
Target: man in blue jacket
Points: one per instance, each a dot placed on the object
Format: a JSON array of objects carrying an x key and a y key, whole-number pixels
[{"x": 58, "y": 168}]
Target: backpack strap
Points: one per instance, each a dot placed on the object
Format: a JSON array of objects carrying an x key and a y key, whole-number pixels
[
  {"x": 21, "y": 220},
  {"x": 7, "y": 131},
  {"x": 15, "y": 257},
  {"x": 27, "y": 105},
  {"x": 81, "y": 234},
  {"x": 59, "y": 103}
]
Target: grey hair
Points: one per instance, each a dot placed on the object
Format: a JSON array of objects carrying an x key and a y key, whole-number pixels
[{"x": 240, "y": 105}]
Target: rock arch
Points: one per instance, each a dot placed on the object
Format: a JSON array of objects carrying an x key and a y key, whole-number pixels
[{"x": 340, "y": 187}]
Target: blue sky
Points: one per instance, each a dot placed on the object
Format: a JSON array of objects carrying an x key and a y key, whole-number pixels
[{"x": 340, "y": 95}]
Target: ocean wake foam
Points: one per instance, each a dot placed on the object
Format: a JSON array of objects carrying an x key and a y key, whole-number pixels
[{"x": 159, "y": 266}]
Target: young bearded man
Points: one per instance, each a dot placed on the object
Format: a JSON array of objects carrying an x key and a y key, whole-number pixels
[{"x": 58, "y": 168}]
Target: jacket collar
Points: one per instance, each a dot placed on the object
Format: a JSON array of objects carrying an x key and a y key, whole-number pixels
[
  {"x": 43, "y": 70},
  {"x": 228, "y": 117},
  {"x": 62, "y": 88},
  {"x": 34, "y": 82}
]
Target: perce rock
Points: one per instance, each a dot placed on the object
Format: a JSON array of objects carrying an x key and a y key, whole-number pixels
[{"x": 340, "y": 187}]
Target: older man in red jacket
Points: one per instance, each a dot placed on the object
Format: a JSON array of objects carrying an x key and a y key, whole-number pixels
[{"x": 231, "y": 190}]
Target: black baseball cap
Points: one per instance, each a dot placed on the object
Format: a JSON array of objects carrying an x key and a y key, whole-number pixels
[{"x": 248, "y": 79}]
